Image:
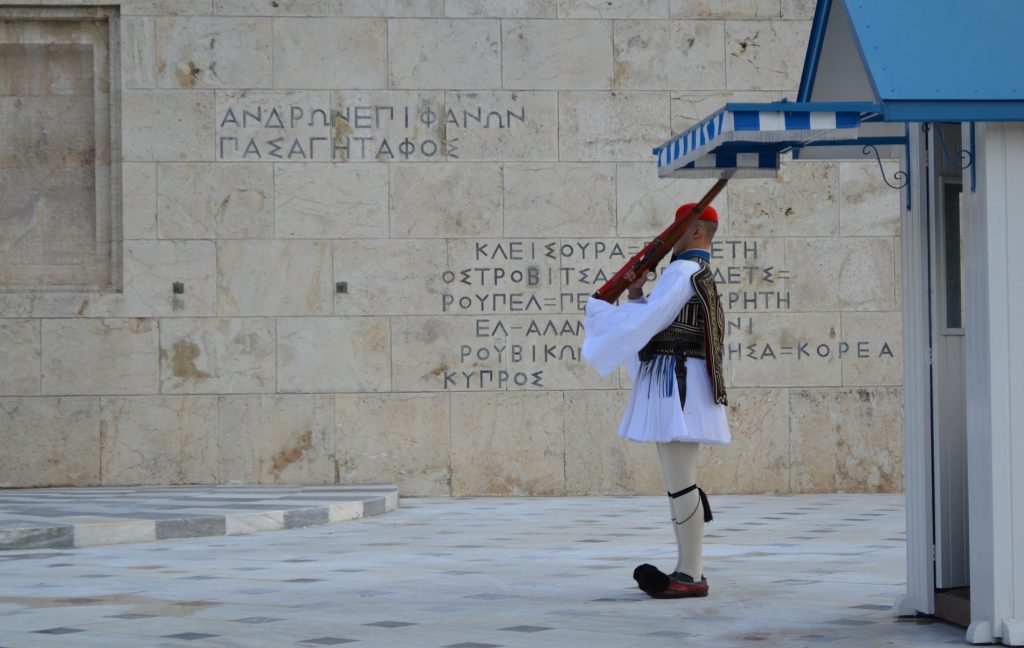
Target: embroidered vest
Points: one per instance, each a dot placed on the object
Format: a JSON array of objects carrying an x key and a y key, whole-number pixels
[{"x": 697, "y": 332}]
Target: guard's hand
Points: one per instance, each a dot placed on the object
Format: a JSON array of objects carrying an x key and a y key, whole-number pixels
[{"x": 636, "y": 284}]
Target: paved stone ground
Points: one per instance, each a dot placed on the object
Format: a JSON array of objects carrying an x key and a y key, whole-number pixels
[
  {"x": 477, "y": 573},
  {"x": 85, "y": 517}
]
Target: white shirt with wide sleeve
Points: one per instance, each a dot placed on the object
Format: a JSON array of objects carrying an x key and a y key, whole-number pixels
[{"x": 613, "y": 335}]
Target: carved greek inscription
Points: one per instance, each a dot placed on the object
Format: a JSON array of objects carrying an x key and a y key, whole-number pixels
[
  {"x": 360, "y": 132},
  {"x": 527, "y": 298}
]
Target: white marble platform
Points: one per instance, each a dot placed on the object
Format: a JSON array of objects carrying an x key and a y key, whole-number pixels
[{"x": 788, "y": 571}]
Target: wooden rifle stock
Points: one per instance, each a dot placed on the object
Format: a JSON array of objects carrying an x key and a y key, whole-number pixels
[{"x": 647, "y": 259}]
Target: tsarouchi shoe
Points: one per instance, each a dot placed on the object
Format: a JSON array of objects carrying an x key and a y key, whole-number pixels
[
  {"x": 657, "y": 584},
  {"x": 680, "y": 585}
]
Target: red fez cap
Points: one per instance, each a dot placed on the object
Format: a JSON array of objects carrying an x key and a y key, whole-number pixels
[{"x": 709, "y": 213}]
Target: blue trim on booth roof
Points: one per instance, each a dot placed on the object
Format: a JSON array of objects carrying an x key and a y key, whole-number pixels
[
  {"x": 806, "y": 106},
  {"x": 802, "y": 120},
  {"x": 949, "y": 111},
  {"x": 746, "y": 120},
  {"x": 814, "y": 44},
  {"x": 859, "y": 141}
]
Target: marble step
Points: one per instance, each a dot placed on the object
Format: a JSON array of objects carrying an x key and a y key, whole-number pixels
[{"x": 53, "y": 518}]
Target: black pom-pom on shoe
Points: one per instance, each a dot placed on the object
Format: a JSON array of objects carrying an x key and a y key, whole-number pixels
[{"x": 650, "y": 579}]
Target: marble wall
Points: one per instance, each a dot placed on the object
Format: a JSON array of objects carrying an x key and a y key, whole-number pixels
[
  {"x": 59, "y": 190},
  {"x": 358, "y": 236}
]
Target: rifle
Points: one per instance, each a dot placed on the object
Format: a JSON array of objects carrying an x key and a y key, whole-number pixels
[{"x": 647, "y": 259}]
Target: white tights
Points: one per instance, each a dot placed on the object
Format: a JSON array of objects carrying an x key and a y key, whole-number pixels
[{"x": 679, "y": 467}]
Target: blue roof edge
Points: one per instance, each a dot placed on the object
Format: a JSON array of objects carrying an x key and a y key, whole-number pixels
[
  {"x": 807, "y": 106},
  {"x": 953, "y": 111}
]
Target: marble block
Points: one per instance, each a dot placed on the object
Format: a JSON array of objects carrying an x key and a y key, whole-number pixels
[
  {"x": 58, "y": 441},
  {"x": 253, "y": 522},
  {"x": 433, "y": 352},
  {"x": 548, "y": 349},
  {"x": 866, "y": 206},
  {"x": 597, "y": 460},
  {"x": 326, "y": 201},
  {"x": 399, "y": 438},
  {"x": 333, "y": 354},
  {"x": 751, "y": 277},
  {"x": 167, "y": 125},
  {"x": 847, "y": 440},
  {"x": 875, "y": 353},
  {"x": 586, "y": 266},
  {"x": 784, "y": 350},
  {"x": 330, "y": 53},
  {"x": 388, "y": 8},
  {"x": 345, "y": 511},
  {"x": 100, "y": 356},
  {"x": 90, "y": 534},
  {"x": 273, "y": 126},
  {"x": 516, "y": 269},
  {"x": 612, "y": 126},
  {"x": 276, "y": 439},
  {"x": 507, "y": 444},
  {"x": 802, "y": 201},
  {"x": 389, "y": 277},
  {"x": 151, "y": 268},
  {"x": 855, "y": 273},
  {"x": 501, "y": 125},
  {"x": 757, "y": 460},
  {"x": 613, "y": 8},
  {"x": 390, "y": 125},
  {"x": 727, "y": 9},
  {"x": 213, "y": 52},
  {"x": 138, "y": 201},
  {"x": 20, "y": 355},
  {"x": 688, "y": 108},
  {"x": 167, "y": 7},
  {"x": 215, "y": 201},
  {"x": 559, "y": 199},
  {"x": 272, "y": 7},
  {"x": 138, "y": 52},
  {"x": 798, "y": 9},
  {"x": 765, "y": 54},
  {"x": 646, "y": 204},
  {"x": 500, "y": 9},
  {"x": 159, "y": 440},
  {"x": 273, "y": 278},
  {"x": 557, "y": 55},
  {"x": 220, "y": 356},
  {"x": 669, "y": 55},
  {"x": 448, "y": 54},
  {"x": 446, "y": 200}
]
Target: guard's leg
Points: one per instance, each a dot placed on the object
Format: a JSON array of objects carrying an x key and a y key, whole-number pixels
[{"x": 679, "y": 468}]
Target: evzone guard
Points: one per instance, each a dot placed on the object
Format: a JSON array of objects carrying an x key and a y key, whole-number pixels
[{"x": 671, "y": 342}]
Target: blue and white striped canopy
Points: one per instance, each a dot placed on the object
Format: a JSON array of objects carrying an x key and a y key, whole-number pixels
[{"x": 747, "y": 143}]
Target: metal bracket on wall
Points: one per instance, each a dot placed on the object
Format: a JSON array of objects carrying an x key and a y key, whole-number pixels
[
  {"x": 966, "y": 155},
  {"x": 973, "y": 165},
  {"x": 898, "y": 176}
]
